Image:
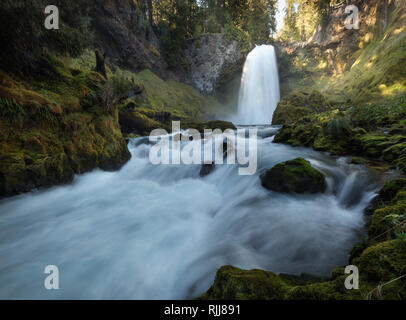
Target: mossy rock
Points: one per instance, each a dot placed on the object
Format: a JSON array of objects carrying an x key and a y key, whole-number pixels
[
  {"x": 391, "y": 189},
  {"x": 381, "y": 262},
  {"x": 386, "y": 222},
  {"x": 318, "y": 102},
  {"x": 294, "y": 176},
  {"x": 55, "y": 128},
  {"x": 297, "y": 105},
  {"x": 338, "y": 128},
  {"x": 302, "y": 133},
  {"x": 373, "y": 145},
  {"x": 384, "y": 261},
  {"x": 235, "y": 284}
]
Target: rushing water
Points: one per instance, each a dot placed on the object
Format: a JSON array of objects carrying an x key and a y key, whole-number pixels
[
  {"x": 160, "y": 232},
  {"x": 259, "y": 90}
]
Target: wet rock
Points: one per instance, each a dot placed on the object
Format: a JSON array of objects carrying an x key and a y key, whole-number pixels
[
  {"x": 207, "y": 169},
  {"x": 294, "y": 176},
  {"x": 213, "y": 61}
]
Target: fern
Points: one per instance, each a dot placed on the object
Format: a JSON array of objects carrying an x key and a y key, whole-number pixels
[
  {"x": 42, "y": 113},
  {"x": 338, "y": 128},
  {"x": 11, "y": 109}
]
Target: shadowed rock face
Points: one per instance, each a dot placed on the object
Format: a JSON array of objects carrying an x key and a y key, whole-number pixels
[
  {"x": 213, "y": 61},
  {"x": 115, "y": 24}
]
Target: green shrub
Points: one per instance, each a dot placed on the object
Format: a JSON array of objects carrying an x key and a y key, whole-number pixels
[
  {"x": 338, "y": 128},
  {"x": 232, "y": 32},
  {"x": 121, "y": 86}
]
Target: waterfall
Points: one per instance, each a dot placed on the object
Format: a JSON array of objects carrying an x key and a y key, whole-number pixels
[{"x": 259, "y": 91}]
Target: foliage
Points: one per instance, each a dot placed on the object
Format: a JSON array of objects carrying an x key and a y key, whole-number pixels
[
  {"x": 303, "y": 16},
  {"x": 11, "y": 109},
  {"x": 26, "y": 38},
  {"x": 248, "y": 22}
]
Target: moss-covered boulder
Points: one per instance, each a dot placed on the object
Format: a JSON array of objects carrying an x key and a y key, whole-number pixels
[
  {"x": 384, "y": 261},
  {"x": 294, "y": 176},
  {"x": 297, "y": 105},
  {"x": 290, "y": 109},
  {"x": 52, "y": 128},
  {"x": 391, "y": 189},
  {"x": 235, "y": 284},
  {"x": 388, "y": 217}
]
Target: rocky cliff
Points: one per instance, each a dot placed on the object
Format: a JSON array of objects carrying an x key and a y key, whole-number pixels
[
  {"x": 210, "y": 61},
  {"x": 354, "y": 65},
  {"x": 122, "y": 33},
  {"x": 213, "y": 61}
]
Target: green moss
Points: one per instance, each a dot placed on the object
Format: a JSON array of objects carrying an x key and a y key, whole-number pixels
[
  {"x": 236, "y": 284},
  {"x": 63, "y": 128},
  {"x": 181, "y": 100},
  {"x": 383, "y": 262},
  {"x": 318, "y": 102},
  {"x": 11, "y": 109},
  {"x": 387, "y": 221},
  {"x": 294, "y": 176},
  {"x": 391, "y": 189},
  {"x": 338, "y": 128},
  {"x": 291, "y": 108}
]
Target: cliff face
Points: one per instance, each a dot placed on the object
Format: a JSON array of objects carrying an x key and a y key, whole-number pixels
[
  {"x": 351, "y": 65},
  {"x": 213, "y": 61},
  {"x": 340, "y": 43},
  {"x": 118, "y": 26},
  {"x": 119, "y": 31}
]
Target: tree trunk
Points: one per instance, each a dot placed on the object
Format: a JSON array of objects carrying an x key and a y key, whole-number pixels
[
  {"x": 150, "y": 13},
  {"x": 100, "y": 67},
  {"x": 385, "y": 15}
]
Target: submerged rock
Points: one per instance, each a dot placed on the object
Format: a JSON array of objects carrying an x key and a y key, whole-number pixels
[
  {"x": 207, "y": 169},
  {"x": 294, "y": 176}
]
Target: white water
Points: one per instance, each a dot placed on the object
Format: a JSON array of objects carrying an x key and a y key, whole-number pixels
[
  {"x": 160, "y": 232},
  {"x": 259, "y": 90}
]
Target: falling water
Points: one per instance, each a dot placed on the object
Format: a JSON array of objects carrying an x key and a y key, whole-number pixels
[{"x": 259, "y": 92}]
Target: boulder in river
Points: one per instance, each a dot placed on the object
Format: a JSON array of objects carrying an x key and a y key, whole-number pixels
[
  {"x": 206, "y": 169},
  {"x": 294, "y": 176}
]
